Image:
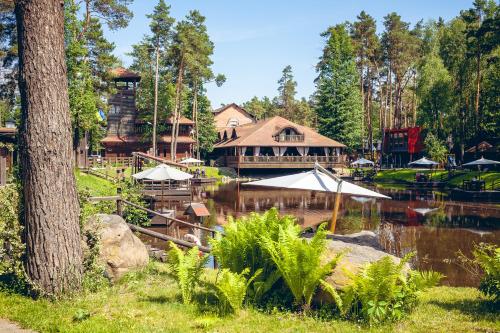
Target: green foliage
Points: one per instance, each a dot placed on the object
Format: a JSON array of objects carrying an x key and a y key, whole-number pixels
[
  {"x": 299, "y": 261},
  {"x": 337, "y": 98},
  {"x": 231, "y": 289},
  {"x": 383, "y": 290},
  {"x": 436, "y": 149},
  {"x": 132, "y": 192},
  {"x": 187, "y": 268},
  {"x": 488, "y": 257},
  {"x": 241, "y": 247},
  {"x": 11, "y": 247}
]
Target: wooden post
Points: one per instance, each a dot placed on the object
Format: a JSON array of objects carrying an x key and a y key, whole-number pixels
[
  {"x": 335, "y": 210},
  {"x": 119, "y": 203}
]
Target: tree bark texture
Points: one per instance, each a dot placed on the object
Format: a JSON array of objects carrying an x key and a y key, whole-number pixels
[{"x": 51, "y": 211}]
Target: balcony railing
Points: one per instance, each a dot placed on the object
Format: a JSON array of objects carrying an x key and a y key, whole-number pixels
[
  {"x": 286, "y": 159},
  {"x": 289, "y": 138}
]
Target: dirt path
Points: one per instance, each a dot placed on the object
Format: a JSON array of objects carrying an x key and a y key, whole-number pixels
[{"x": 8, "y": 327}]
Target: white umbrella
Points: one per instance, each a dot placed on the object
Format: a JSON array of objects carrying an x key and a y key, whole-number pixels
[
  {"x": 362, "y": 161},
  {"x": 319, "y": 179},
  {"x": 163, "y": 172},
  {"x": 190, "y": 160},
  {"x": 423, "y": 162},
  {"x": 481, "y": 161}
]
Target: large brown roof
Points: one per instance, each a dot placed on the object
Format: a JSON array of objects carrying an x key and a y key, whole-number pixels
[
  {"x": 262, "y": 134},
  {"x": 236, "y": 106},
  {"x": 123, "y": 73}
]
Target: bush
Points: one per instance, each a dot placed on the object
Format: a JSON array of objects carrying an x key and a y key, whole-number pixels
[
  {"x": 299, "y": 261},
  {"x": 231, "y": 289},
  {"x": 436, "y": 149},
  {"x": 132, "y": 192},
  {"x": 383, "y": 291},
  {"x": 241, "y": 248},
  {"x": 488, "y": 258},
  {"x": 11, "y": 247},
  {"x": 186, "y": 268}
]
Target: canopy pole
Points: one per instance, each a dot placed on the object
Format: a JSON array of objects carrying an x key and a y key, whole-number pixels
[{"x": 336, "y": 205}]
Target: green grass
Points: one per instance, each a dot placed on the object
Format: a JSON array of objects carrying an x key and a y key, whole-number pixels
[
  {"x": 408, "y": 175},
  {"x": 216, "y": 172},
  {"x": 97, "y": 186},
  {"x": 149, "y": 301}
]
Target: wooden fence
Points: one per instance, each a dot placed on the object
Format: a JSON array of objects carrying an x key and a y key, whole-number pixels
[{"x": 169, "y": 221}]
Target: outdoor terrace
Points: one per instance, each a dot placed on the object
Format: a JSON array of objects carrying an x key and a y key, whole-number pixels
[{"x": 284, "y": 162}]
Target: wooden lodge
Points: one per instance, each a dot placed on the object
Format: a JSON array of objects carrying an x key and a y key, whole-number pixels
[
  {"x": 232, "y": 115},
  {"x": 126, "y": 132},
  {"x": 276, "y": 143},
  {"x": 402, "y": 145}
]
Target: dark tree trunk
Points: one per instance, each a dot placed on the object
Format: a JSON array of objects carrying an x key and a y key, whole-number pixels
[{"x": 52, "y": 232}]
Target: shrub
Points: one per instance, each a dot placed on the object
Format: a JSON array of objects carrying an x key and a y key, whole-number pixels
[
  {"x": 383, "y": 291},
  {"x": 11, "y": 247},
  {"x": 299, "y": 261},
  {"x": 186, "y": 268},
  {"x": 131, "y": 192},
  {"x": 231, "y": 289},
  {"x": 241, "y": 248},
  {"x": 488, "y": 258}
]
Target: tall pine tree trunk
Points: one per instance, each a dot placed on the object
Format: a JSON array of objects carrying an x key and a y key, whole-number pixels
[
  {"x": 177, "y": 111},
  {"x": 52, "y": 232},
  {"x": 155, "y": 110},
  {"x": 391, "y": 124}
]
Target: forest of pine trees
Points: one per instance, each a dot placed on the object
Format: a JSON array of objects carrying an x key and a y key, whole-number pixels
[{"x": 444, "y": 76}]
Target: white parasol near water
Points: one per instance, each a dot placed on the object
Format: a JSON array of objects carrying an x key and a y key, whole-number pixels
[
  {"x": 481, "y": 162},
  {"x": 423, "y": 162},
  {"x": 319, "y": 179},
  {"x": 163, "y": 172},
  {"x": 362, "y": 161},
  {"x": 191, "y": 160}
]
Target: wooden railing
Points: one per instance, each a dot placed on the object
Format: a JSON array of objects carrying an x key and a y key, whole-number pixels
[
  {"x": 94, "y": 162},
  {"x": 158, "y": 186},
  {"x": 169, "y": 221},
  {"x": 286, "y": 159}
]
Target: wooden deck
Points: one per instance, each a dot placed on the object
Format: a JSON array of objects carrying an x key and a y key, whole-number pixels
[{"x": 284, "y": 162}]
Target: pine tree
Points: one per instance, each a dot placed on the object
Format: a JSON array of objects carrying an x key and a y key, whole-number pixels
[
  {"x": 337, "y": 97},
  {"x": 286, "y": 94}
]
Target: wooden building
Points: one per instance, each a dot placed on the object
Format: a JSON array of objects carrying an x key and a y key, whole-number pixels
[
  {"x": 126, "y": 132},
  {"x": 402, "y": 145},
  {"x": 276, "y": 143},
  {"x": 232, "y": 115}
]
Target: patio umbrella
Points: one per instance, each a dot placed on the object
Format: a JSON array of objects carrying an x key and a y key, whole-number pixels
[
  {"x": 191, "y": 160},
  {"x": 480, "y": 162},
  {"x": 362, "y": 161},
  {"x": 163, "y": 172},
  {"x": 423, "y": 162},
  {"x": 319, "y": 179}
]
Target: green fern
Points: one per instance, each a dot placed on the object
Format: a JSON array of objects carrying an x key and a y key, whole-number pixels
[
  {"x": 384, "y": 290},
  {"x": 488, "y": 257},
  {"x": 299, "y": 262},
  {"x": 241, "y": 248},
  {"x": 231, "y": 289},
  {"x": 186, "y": 268}
]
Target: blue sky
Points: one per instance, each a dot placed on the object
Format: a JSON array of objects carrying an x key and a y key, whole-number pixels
[{"x": 255, "y": 39}]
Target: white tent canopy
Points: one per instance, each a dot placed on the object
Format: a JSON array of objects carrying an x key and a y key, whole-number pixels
[
  {"x": 362, "y": 161},
  {"x": 316, "y": 180},
  {"x": 481, "y": 161},
  {"x": 163, "y": 172},
  {"x": 423, "y": 162},
  {"x": 191, "y": 160}
]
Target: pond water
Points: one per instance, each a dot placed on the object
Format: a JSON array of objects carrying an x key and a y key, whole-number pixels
[{"x": 424, "y": 221}]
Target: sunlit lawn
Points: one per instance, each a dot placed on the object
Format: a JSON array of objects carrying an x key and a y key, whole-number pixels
[
  {"x": 408, "y": 175},
  {"x": 150, "y": 302}
]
